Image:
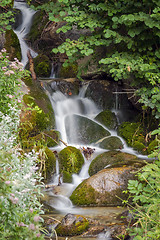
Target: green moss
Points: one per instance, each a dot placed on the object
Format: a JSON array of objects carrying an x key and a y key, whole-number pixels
[
  {"x": 107, "y": 118},
  {"x": 33, "y": 121},
  {"x": 111, "y": 143},
  {"x": 84, "y": 195},
  {"x": 134, "y": 135},
  {"x": 69, "y": 71},
  {"x": 67, "y": 177},
  {"x": 12, "y": 45},
  {"x": 78, "y": 227},
  {"x": 151, "y": 146},
  {"x": 50, "y": 164},
  {"x": 110, "y": 159},
  {"x": 70, "y": 160},
  {"x": 140, "y": 147},
  {"x": 42, "y": 66}
]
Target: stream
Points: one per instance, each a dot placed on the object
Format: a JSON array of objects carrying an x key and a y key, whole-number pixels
[{"x": 65, "y": 109}]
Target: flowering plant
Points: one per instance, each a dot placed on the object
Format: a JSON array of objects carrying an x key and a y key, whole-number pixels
[
  {"x": 10, "y": 75},
  {"x": 20, "y": 185}
]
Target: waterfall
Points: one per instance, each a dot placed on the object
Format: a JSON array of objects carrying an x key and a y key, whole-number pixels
[
  {"x": 22, "y": 30},
  {"x": 65, "y": 107}
]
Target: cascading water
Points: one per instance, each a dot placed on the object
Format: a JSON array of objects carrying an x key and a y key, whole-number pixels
[
  {"x": 22, "y": 30},
  {"x": 66, "y": 107}
]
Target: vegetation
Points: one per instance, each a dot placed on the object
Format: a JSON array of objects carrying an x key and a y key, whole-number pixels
[
  {"x": 20, "y": 186},
  {"x": 146, "y": 197},
  {"x": 122, "y": 37}
]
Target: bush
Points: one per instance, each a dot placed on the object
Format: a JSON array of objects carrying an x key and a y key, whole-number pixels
[{"x": 146, "y": 197}]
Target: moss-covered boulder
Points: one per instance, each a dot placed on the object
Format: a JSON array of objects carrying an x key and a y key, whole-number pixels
[
  {"x": 70, "y": 161},
  {"x": 113, "y": 158},
  {"x": 111, "y": 143},
  {"x": 72, "y": 225},
  {"x": 104, "y": 188},
  {"x": 134, "y": 135},
  {"x": 12, "y": 45},
  {"x": 108, "y": 119},
  {"x": 86, "y": 130},
  {"x": 42, "y": 66}
]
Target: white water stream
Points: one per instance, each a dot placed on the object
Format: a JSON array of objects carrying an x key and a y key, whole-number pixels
[
  {"x": 22, "y": 30},
  {"x": 64, "y": 108}
]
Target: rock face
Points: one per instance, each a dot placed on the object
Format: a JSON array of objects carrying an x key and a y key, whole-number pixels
[
  {"x": 107, "y": 118},
  {"x": 104, "y": 188},
  {"x": 72, "y": 225},
  {"x": 70, "y": 161},
  {"x": 86, "y": 131},
  {"x": 113, "y": 158},
  {"x": 111, "y": 143}
]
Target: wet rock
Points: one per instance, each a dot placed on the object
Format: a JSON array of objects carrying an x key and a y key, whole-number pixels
[
  {"x": 70, "y": 161},
  {"x": 128, "y": 217},
  {"x": 12, "y": 45},
  {"x": 86, "y": 130},
  {"x": 113, "y": 158},
  {"x": 68, "y": 87},
  {"x": 111, "y": 143},
  {"x": 108, "y": 119},
  {"x": 104, "y": 188},
  {"x": 71, "y": 225}
]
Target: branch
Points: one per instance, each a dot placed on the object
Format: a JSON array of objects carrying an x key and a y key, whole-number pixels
[{"x": 31, "y": 65}]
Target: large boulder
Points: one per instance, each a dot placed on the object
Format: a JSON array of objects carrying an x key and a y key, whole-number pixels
[
  {"x": 70, "y": 161},
  {"x": 106, "y": 188},
  {"x": 86, "y": 130},
  {"x": 107, "y": 118},
  {"x": 111, "y": 143},
  {"x": 111, "y": 159},
  {"x": 72, "y": 225}
]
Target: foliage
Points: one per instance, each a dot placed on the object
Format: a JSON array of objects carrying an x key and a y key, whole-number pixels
[
  {"x": 20, "y": 208},
  {"x": 123, "y": 36},
  {"x": 6, "y": 15},
  {"x": 10, "y": 75},
  {"x": 146, "y": 197}
]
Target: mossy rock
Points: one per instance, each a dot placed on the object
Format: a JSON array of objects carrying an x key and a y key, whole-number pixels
[
  {"x": 111, "y": 143},
  {"x": 86, "y": 131},
  {"x": 139, "y": 147},
  {"x": 151, "y": 147},
  {"x": 42, "y": 66},
  {"x": 49, "y": 168},
  {"x": 69, "y": 71},
  {"x": 113, "y": 158},
  {"x": 72, "y": 225},
  {"x": 12, "y": 45},
  {"x": 134, "y": 135},
  {"x": 107, "y": 118},
  {"x": 33, "y": 122},
  {"x": 106, "y": 188},
  {"x": 38, "y": 99},
  {"x": 70, "y": 161},
  {"x": 47, "y": 138}
]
